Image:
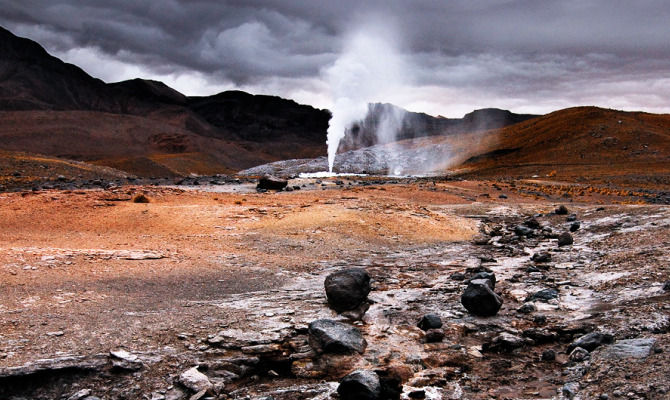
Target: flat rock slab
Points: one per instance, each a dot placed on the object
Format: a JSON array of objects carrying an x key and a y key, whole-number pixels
[{"x": 629, "y": 348}]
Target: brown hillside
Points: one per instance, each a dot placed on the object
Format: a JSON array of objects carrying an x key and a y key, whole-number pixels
[{"x": 581, "y": 142}]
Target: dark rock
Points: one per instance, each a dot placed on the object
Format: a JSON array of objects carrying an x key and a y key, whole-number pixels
[
  {"x": 458, "y": 276},
  {"x": 561, "y": 210},
  {"x": 503, "y": 343},
  {"x": 543, "y": 295},
  {"x": 666, "y": 286},
  {"x": 532, "y": 223},
  {"x": 479, "y": 299},
  {"x": 430, "y": 321},
  {"x": 540, "y": 319},
  {"x": 565, "y": 239},
  {"x": 328, "y": 336},
  {"x": 481, "y": 240},
  {"x": 434, "y": 335},
  {"x": 571, "y": 217},
  {"x": 541, "y": 257},
  {"x": 540, "y": 336},
  {"x": 489, "y": 276},
  {"x": 347, "y": 289},
  {"x": 417, "y": 394},
  {"x": 360, "y": 385},
  {"x": 527, "y": 308},
  {"x": 548, "y": 355},
  {"x": 591, "y": 341},
  {"x": 523, "y": 230},
  {"x": 502, "y": 196},
  {"x": 574, "y": 227},
  {"x": 269, "y": 182}
]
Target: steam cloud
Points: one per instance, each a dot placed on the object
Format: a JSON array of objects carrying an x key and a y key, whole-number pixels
[{"x": 369, "y": 68}]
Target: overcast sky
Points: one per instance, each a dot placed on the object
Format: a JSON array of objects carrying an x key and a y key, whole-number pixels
[{"x": 525, "y": 55}]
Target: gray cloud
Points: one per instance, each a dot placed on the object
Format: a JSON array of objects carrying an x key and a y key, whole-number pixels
[{"x": 534, "y": 55}]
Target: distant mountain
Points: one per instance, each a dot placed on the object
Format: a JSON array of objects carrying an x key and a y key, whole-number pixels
[
  {"x": 147, "y": 128},
  {"x": 412, "y": 125}
]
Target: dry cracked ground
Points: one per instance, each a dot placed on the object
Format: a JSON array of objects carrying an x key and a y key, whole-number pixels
[{"x": 105, "y": 298}]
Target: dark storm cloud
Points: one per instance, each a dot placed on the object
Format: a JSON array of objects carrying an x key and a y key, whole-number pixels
[{"x": 520, "y": 49}]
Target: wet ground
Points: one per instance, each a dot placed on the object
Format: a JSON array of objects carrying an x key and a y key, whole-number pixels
[{"x": 228, "y": 279}]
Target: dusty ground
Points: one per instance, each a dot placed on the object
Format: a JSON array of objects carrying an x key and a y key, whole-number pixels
[{"x": 209, "y": 278}]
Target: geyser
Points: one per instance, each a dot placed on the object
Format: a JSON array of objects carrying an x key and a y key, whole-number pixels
[{"x": 369, "y": 68}]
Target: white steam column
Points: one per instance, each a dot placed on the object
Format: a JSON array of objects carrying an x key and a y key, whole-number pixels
[{"x": 369, "y": 69}]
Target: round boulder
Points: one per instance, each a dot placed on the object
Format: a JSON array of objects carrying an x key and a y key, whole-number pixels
[
  {"x": 479, "y": 299},
  {"x": 430, "y": 321},
  {"x": 360, "y": 385},
  {"x": 347, "y": 289}
]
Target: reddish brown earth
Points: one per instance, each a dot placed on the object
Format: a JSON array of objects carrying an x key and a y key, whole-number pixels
[{"x": 86, "y": 272}]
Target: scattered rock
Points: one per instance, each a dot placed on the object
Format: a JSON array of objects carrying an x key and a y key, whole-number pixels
[
  {"x": 574, "y": 227},
  {"x": 503, "y": 343},
  {"x": 479, "y": 299},
  {"x": 541, "y": 257},
  {"x": 80, "y": 394},
  {"x": 430, "y": 321},
  {"x": 666, "y": 286},
  {"x": 194, "y": 380},
  {"x": 459, "y": 276},
  {"x": 347, "y": 289},
  {"x": 591, "y": 341},
  {"x": 561, "y": 210},
  {"x": 579, "y": 354},
  {"x": 543, "y": 295},
  {"x": 565, "y": 239},
  {"x": 269, "y": 182},
  {"x": 125, "y": 360},
  {"x": 527, "y": 308},
  {"x": 434, "y": 335},
  {"x": 489, "y": 276},
  {"x": 481, "y": 240},
  {"x": 570, "y": 390},
  {"x": 328, "y": 336},
  {"x": 548, "y": 355},
  {"x": 360, "y": 385},
  {"x": 523, "y": 230},
  {"x": 571, "y": 217}
]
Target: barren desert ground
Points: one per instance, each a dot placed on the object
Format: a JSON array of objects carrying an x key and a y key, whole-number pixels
[{"x": 229, "y": 279}]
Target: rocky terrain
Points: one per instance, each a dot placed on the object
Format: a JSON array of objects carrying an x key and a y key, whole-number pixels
[{"x": 216, "y": 292}]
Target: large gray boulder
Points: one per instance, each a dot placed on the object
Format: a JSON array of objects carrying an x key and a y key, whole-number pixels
[
  {"x": 328, "y": 336},
  {"x": 347, "y": 289}
]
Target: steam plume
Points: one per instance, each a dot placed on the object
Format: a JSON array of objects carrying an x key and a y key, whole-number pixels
[{"x": 370, "y": 68}]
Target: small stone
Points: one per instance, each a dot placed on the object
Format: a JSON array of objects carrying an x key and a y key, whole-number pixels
[
  {"x": 486, "y": 275},
  {"x": 56, "y": 333},
  {"x": 548, "y": 355},
  {"x": 80, "y": 394},
  {"x": 194, "y": 380},
  {"x": 570, "y": 390},
  {"x": 561, "y": 210},
  {"x": 417, "y": 394},
  {"x": 459, "y": 276},
  {"x": 591, "y": 341},
  {"x": 269, "y": 182},
  {"x": 434, "y": 335},
  {"x": 579, "y": 354},
  {"x": 543, "y": 295},
  {"x": 666, "y": 286},
  {"x": 503, "y": 343},
  {"x": 565, "y": 239},
  {"x": 527, "y": 308},
  {"x": 571, "y": 217},
  {"x": 541, "y": 257},
  {"x": 125, "y": 360},
  {"x": 574, "y": 227},
  {"x": 360, "y": 385},
  {"x": 430, "y": 321},
  {"x": 603, "y": 396}
]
